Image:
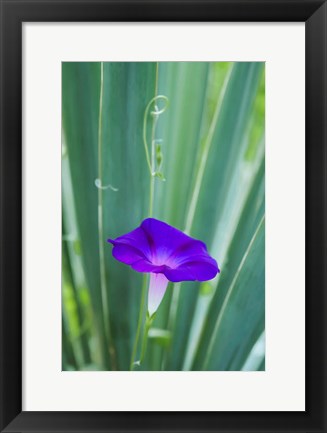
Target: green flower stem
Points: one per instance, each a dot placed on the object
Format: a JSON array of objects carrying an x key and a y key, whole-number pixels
[
  {"x": 103, "y": 283},
  {"x": 154, "y": 168},
  {"x": 151, "y": 164},
  {"x": 140, "y": 320},
  {"x": 147, "y": 326}
]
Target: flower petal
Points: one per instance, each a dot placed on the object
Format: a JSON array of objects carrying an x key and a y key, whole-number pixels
[
  {"x": 157, "y": 289},
  {"x": 168, "y": 244},
  {"x": 192, "y": 249},
  {"x": 136, "y": 239},
  {"x": 159, "y": 248},
  {"x": 132, "y": 256},
  {"x": 146, "y": 266},
  {"x": 127, "y": 254},
  {"x": 201, "y": 268}
]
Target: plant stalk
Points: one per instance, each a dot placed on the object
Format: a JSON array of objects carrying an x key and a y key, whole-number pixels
[
  {"x": 147, "y": 326},
  {"x": 103, "y": 282},
  {"x": 150, "y": 212}
]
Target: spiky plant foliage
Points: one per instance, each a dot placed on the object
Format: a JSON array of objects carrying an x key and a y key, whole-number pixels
[{"x": 208, "y": 142}]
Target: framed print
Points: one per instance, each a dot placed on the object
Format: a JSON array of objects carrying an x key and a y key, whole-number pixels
[{"x": 163, "y": 216}]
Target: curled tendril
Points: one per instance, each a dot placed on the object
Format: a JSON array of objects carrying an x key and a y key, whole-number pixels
[
  {"x": 99, "y": 185},
  {"x": 155, "y": 112}
]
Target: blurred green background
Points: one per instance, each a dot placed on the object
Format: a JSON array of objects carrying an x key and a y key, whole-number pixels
[{"x": 212, "y": 139}]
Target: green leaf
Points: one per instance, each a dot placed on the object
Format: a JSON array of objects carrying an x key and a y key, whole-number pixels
[
  {"x": 185, "y": 85},
  {"x": 213, "y": 212},
  {"x": 128, "y": 87},
  {"x": 252, "y": 213},
  {"x": 208, "y": 181},
  {"x": 256, "y": 358},
  {"x": 80, "y": 112},
  {"x": 242, "y": 310}
]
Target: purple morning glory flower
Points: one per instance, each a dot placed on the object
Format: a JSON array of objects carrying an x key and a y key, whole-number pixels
[{"x": 167, "y": 254}]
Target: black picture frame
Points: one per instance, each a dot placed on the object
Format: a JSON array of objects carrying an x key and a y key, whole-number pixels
[{"x": 13, "y": 14}]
